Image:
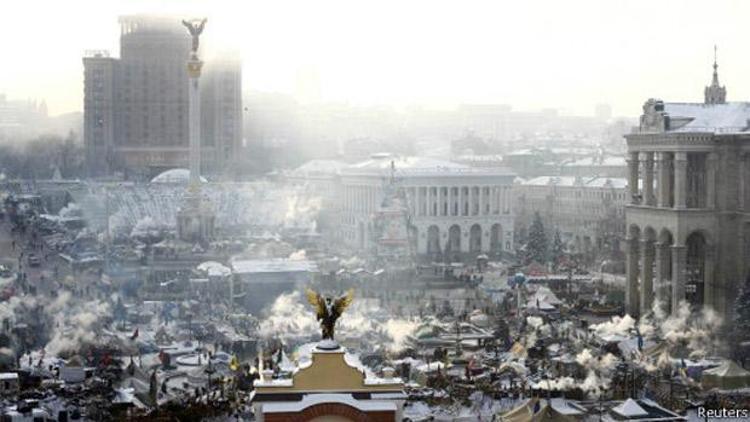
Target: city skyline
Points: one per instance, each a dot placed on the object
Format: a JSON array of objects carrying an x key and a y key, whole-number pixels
[{"x": 434, "y": 54}]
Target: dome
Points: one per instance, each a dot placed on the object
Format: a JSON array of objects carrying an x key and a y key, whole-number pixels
[{"x": 176, "y": 176}]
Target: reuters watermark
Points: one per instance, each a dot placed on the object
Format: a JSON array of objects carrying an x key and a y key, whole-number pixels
[{"x": 724, "y": 413}]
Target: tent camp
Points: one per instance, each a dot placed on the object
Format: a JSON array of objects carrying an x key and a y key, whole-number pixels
[
  {"x": 536, "y": 410},
  {"x": 629, "y": 409},
  {"x": 543, "y": 299},
  {"x": 641, "y": 410},
  {"x": 727, "y": 376}
]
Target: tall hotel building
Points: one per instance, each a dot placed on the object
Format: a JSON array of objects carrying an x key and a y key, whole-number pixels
[{"x": 136, "y": 107}]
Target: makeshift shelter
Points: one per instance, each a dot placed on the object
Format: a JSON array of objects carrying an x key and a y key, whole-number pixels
[
  {"x": 214, "y": 269},
  {"x": 536, "y": 410},
  {"x": 513, "y": 367},
  {"x": 630, "y": 409},
  {"x": 727, "y": 376},
  {"x": 543, "y": 299},
  {"x": 641, "y": 410}
]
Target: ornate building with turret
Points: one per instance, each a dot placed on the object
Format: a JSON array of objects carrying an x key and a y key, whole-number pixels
[{"x": 688, "y": 220}]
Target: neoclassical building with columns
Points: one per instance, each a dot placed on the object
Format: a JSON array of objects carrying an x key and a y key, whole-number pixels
[
  {"x": 688, "y": 221},
  {"x": 455, "y": 211}
]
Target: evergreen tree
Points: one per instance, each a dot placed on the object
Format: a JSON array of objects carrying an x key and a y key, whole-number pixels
[
  {"x": 537, "y": 245},
  {"x": 558, "y": 249}
]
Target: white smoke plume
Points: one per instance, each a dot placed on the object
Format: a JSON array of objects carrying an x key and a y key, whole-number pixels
[
  {"x": 559, "y": 384},
  {"x": 685, "y": 333},
  {"x": 75, "y": 323},
  {"x": 290, "y": 317},
  {"x": 615, "y": 327},
  {"x": 599, "y": 371},
  {"x": 299, "y": 255}
]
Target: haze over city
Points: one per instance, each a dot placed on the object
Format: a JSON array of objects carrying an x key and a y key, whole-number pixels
[
  {"x": 532, "y": 55},
  {"x": 386, "y": 211}
]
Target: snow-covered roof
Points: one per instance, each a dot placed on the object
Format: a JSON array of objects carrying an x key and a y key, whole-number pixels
[
  {"x": 713, "y": 118},
  {"x": 630, "y": 409},
  {"x": 5, "y": 376},
  {"x": 214, "y": 269},
  {"x": 280, "y": 265},
  {"x": 314, "y": 399},
  {"x": 176, "y": 176},
  {"x": 567, "y": 407},
  {"x": 481, "y": 158},
  {"x": 728, "y": 369},
  {"x": 319, "y": 168},
  {"x": 572, "y": 181},
  {"x": 412, "y": 166},
  {"x": 384, "y": 162},
  {"x": 595, "y": 161}
]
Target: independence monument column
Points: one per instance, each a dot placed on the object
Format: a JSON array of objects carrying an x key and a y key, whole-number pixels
[{"x": 195, "y": 220}]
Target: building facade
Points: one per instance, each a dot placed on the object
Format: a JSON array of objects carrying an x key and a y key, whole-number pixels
[
  {"x": 589, "y": 212},
  {"x": 328, "y": 387},
  {"x": 454, "y": 210},
  {"x": 136, "y": 106},
  {"x": 689, "y": 221}
]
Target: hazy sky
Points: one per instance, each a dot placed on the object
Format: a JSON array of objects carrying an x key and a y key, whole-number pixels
[{"x": 568, "y": 54}]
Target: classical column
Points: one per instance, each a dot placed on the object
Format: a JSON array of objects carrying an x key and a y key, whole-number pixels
[
  {"x": 680, "y": 180},
  {"x": 194, "y": 117},
  {"x": 482, "y": 201},
  {"x": 743, "y": 182},
  {"x": 420, "y": 201},
  {"x": 440, "y": 200},
  {"x": 631, "y": 290},
  {"x": 660, "y": 252},
  {"x": 427, "y": 198},
  {"x": 708, "y": 277},
  {"x": 647, "y": 275},
  {"x": 461, "y": 200},
  {"x": 454, "y": 200},
  {"x": 663, "y": 180},
  {"x": 471, "y": 200},
  {"x": 711, "y": 180},
  {"x": 507, "y": 203},
  {"x": 447, "y": 200},
  {"x": 435, "y": 201},
  {"x": 648, "y": 178},
  {"x": 633, "y": 177},
  {"x": 679, "y": 258}
]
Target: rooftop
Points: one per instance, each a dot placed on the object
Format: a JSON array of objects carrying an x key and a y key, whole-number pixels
[
  {"x": 415, "y": 166},
  {"x": 716, "y": 118},
  {"x": 279, "y": 265},
  {"x": 572, "y": 181},
  {"x": 313, "y": 399},
  {"x": 319, "y": 168}
]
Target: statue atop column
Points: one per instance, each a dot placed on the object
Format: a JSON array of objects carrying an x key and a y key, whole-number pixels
[{"x": 195, "y": 27}]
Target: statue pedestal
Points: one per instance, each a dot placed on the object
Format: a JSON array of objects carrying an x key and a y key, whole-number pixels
[
  {"x": 195, "y": 220},
  {"x": 328, "y": 345}
]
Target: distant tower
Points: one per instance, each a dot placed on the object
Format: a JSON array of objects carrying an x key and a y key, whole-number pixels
[
  {"x": 195, "y": 219},
  {"x": 715, "y": 94}
]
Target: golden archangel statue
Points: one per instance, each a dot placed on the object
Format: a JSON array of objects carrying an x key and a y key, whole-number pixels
[
  {"x": 328, "y": 309},
  {"x": 195, "y": 27}
]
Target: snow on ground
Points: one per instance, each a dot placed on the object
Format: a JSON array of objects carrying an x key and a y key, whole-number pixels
[{"x": 258, "y": 203}]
